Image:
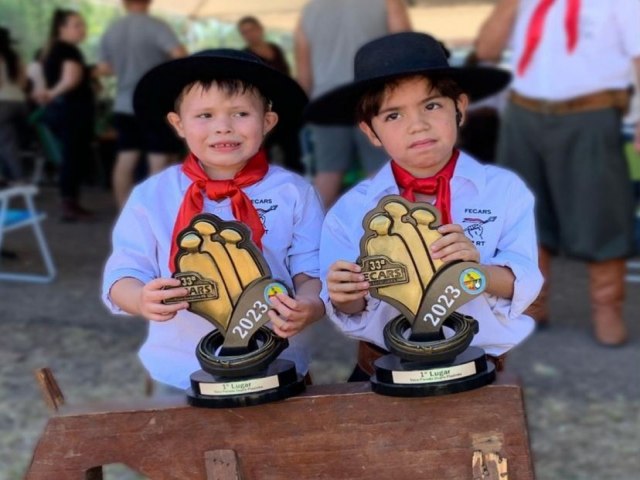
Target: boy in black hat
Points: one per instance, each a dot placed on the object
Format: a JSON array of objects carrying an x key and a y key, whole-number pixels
[
  {"x": 223, "y": 103},
  {"x": 407, "y": 99}
]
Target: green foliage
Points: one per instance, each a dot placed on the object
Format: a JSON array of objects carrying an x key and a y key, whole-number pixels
[{"x": 29, "y": 22}]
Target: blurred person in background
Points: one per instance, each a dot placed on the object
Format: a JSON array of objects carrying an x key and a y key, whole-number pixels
[
  {"x": 12, "y": 109},
  {"x": 284, "y": 136},
  {"x": 130, "y": 47},
  {"x": 326, "y": 39},
  {"x": 252, "y": 32},
  {"x": 69, "y": 105},
  {"x": 561, "y": 132},
  {"x": 479, "y": 133}
]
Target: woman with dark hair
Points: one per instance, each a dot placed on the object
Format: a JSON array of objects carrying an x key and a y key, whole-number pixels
[
  {"x": 69, "y": 104},
  {"x": 285, "y": 135},
  {"x": 12, "y": 108}
]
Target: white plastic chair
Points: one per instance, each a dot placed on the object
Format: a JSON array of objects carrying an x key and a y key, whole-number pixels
[{"x": 13, "y": 219}]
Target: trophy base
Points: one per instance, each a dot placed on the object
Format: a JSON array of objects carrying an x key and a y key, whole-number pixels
[
  {"x": 278, "y": 381},
  {"x": 399, "y": 378}
]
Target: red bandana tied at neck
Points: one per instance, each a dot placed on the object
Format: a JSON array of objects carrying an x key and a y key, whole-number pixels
[
  {"x": 241, "y": 206},
  {"x": 536, "y": 25},
  {"x": 437, "y": 185}
]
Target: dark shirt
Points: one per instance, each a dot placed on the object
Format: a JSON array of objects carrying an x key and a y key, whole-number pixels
[
  {"x": 278, "y": 62},
  {"x": 59, "y": 53}
]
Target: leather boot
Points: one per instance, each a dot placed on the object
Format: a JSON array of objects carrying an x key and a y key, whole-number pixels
[
  {"x": 539, "y": 309},
  {"x": 606, "y": 286}
]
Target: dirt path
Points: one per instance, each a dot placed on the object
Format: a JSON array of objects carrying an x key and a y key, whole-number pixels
[{"x": 583, "y": 401}]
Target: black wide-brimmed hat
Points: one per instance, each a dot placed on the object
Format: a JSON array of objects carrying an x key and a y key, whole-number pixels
[
  {"x": 158, "y": 89},
  {"x": 394, "y": 56}
]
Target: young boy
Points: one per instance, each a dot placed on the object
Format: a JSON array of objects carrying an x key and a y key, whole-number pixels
[
  {"x": 223, "y": 103},
  {"x": 412, "y": 104}
]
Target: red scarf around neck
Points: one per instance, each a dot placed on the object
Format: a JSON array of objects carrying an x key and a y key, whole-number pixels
[
  {"x": 536, "y": 26},
  {"x": 437, "y": 185},
  {"x": 241, "y": 206}
]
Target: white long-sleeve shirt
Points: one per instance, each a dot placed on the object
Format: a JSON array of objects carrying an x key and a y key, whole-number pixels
[
  {"x": 292, "y": 216},
  {"x": 496, "y": 210},
  {"x": 608, "y": 40}
]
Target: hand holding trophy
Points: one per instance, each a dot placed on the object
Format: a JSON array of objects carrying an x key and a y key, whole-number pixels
[
  {"x": 396, "y": 260},
  {"x": 230, "y": 285}
]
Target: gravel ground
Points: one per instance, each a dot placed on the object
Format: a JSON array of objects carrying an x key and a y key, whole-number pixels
[{"x": 583, "y": 400}]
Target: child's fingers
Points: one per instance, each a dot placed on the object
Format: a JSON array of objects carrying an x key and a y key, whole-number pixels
[
  {"x": 448, "y": 239},
  {"x": 347, "y": 287},
  {"x": 450, "y": 228},
  {"x": 159, "y": 283},
  {"x": 280, "y": 326},
  {"x": 162, "y": 313},
  {"x": 459, "y": 251},
  {"x": 286, "y": 300},
  {"x": 344, "y": 265},
  {"x": 162, "y": 309},
  {"x": 344, "y": 276},
  {"x": 160, "y": 295},
  {"x": 347, "y": 297},
  {"x": 283, "y": 310}
]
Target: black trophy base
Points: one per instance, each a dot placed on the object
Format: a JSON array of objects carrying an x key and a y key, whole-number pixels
[
  {"x": 399, "y": 378},
  {"x": 278, "y": 381}
]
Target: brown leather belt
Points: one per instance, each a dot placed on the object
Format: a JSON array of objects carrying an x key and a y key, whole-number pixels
[
  {"x": 594, "y": 101},
  {"x": 369, "y": 353}
]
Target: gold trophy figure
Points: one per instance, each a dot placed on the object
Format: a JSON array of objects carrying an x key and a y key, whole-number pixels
[
  {"x": 246, "y": 266},
  {"x": 403, "y": 227},
  {"x": 425, "y": 218},
  {"x": 192, "y": 260},
  {"x": 229, "y": 284},
  {"x": 395, "y": 255},
  {"x": 385, "y": 244},
  {"x": 221, "y": 256}
]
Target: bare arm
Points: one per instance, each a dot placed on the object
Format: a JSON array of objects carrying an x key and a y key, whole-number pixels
[
  {"x": 178, "y": 52},
  {"x": 103, "y": 69},
  {"x": 496, "y": 31},
  {"x": 302, "y": 50},
  {"x": 397, "y": 16},
  {"x": 69, "y": 79},
  {"x": 500, "y": 281}
]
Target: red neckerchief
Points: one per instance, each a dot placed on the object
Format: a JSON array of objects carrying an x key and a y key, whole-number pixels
[
  {"x": 241, "y": 206},
  {"x": 536, "y": 25},
  {"x": 437, "y": 185}
]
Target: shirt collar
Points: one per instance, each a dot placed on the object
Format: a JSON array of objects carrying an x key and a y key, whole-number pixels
[{"x": 467, "y": 169}]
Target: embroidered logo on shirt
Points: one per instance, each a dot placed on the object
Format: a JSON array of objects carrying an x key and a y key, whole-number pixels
[
  {"x": 475, "y": 231},
  {"x": 262, "y": 213}
]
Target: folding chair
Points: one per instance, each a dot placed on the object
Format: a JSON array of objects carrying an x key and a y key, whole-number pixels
[{"x": 13, "y": 219}]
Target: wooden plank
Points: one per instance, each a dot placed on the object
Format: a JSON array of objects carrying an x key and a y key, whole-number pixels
[
  {"x": 348, "y": 433},
  {"x": 50, "y": 389},
  {"x": 222, "y": 465}
]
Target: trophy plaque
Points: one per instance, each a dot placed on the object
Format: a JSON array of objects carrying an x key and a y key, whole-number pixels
[
  {"x": 229, "y": 284},
  {"x": 396, "y": 261}
]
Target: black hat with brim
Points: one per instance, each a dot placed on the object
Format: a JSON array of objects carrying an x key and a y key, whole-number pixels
[
  {"x": 158, "y": 89},
  {"x": 396, "y": 56}
]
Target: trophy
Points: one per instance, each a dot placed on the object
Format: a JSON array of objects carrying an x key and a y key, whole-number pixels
[
  {"x": 396, "y": 261},
  {"x": 229, "y": 284}
]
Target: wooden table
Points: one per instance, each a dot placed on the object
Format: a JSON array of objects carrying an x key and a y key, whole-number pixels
[{"x": 329, "y": 432}]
